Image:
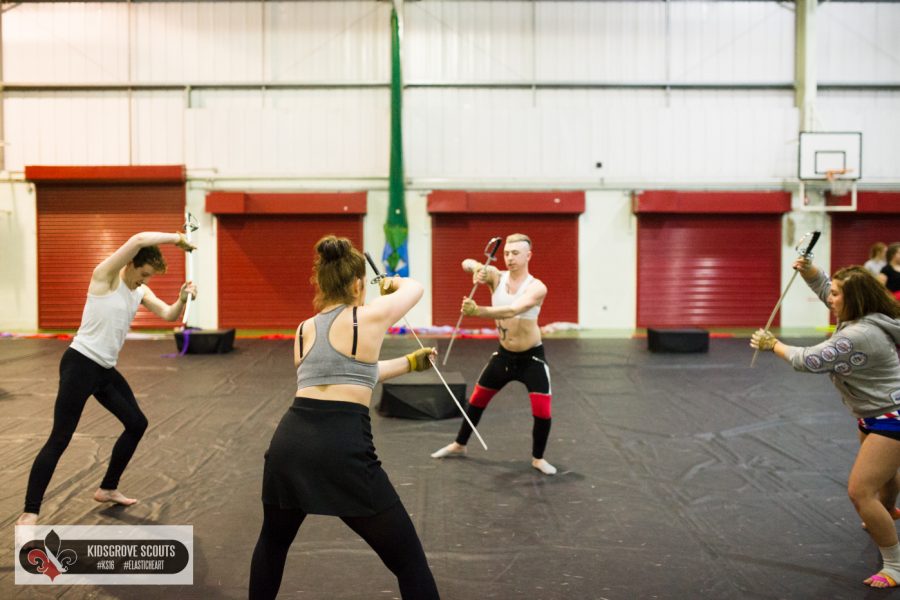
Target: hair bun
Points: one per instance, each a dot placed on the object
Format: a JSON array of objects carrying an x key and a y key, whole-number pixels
[{"x": 331, "y": 248}]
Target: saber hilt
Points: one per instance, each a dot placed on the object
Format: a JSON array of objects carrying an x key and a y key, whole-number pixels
[
  {"x": 490, "y": 251},
  {"x": 378, "y": 277},
  {"x": 807, "y": 251}
]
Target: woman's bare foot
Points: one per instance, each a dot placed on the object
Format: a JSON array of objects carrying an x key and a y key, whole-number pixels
[
  {"x": 27, "y": 519},
  {"x": 881, "y": 580},
  {"x": 452, "y": 449},
  {"x": 543, "y": 466},
  {"x": 115, "y": 496}
]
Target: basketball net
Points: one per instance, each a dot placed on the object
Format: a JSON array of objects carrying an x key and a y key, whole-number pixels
[{"x": 838, "y": 186}]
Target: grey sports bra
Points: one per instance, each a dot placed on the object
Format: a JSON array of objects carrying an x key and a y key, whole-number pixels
[{"x": 324, "y": 365}]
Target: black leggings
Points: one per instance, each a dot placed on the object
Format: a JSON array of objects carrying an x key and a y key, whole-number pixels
[
  {"x": 390, "y": 533},
  {"x": 80, "y": 378}
]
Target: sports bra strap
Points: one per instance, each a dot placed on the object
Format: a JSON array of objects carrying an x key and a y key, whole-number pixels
[
  {"x": 353, "y": 351},
  {"x": 301, "y": 338}
]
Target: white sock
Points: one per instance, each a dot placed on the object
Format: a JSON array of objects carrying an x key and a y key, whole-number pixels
[{"x": 890, "y": 556}]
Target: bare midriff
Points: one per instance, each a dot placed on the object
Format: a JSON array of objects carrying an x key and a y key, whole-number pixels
[
  {"x": 517, "y": 334},
  {"x": 339, "y": 392}
]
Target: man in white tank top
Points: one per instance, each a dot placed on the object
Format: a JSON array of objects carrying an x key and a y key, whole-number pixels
[
  {"x": 516, "y": 299},
  {"x": 116, "y": 290}
]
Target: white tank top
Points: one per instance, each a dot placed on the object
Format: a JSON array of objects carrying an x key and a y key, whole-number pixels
[
  {"x": 105, "y": 322},
  {"x": 502, "y": 297}
]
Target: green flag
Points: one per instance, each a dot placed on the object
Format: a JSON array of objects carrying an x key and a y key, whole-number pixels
[{"x": 396, "y": 228}]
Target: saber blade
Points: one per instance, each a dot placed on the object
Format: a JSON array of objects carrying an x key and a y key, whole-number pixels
[
  {"x": 805, "y": 252},
  {"x": 490, "y": 251},
  {"x": 378, "y": 277},
  {"x": 190, "y": 226}
]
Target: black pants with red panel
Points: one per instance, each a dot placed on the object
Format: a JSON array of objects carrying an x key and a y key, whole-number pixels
[{"x": 529, "y": 367}]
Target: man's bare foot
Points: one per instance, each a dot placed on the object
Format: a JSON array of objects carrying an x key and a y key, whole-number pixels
[
  {"x": 543, "y": 466},
  {"x": 27, "y": 519},
  {"x": 452, "y": 449},
  {"x": 115, "y": 496}
]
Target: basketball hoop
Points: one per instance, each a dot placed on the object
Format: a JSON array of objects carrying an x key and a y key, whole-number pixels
[{"x": 838, "y": 186}]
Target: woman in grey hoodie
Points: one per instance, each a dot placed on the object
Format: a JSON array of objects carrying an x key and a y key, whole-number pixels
[{"x": 861, "y": 358}]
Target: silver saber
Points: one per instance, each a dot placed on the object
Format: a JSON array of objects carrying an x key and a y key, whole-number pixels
[
  {"x": 190, "y": 226},
  {"x": 490, "y": 251},
  {"x": 378, "y": 278},
  {"x": 805, "y": 253}
]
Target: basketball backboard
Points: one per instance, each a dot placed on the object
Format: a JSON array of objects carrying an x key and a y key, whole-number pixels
[{"x": 830, "y": 155}]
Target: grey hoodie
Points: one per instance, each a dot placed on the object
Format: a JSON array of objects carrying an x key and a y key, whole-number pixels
[{"x": 861, "y": 358}]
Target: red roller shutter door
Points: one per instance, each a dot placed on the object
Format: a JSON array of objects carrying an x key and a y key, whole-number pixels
[
  {"x": 460, "y": 230},
  {"x": 265, "y": 260},
  {"x": 708, "y": 270},
  {"x": 877, "y": 219},
  {"x": 84, "y": 214}
]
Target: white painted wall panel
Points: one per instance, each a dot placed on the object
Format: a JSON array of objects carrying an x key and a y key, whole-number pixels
[
  {"x": 56, "y": 128},
  {"x": 601, "y": 41},
  {"x": 311, "y": 134},
  {"x": 328, "y": 41},
  {"x": 158, "y": 127},
  {"x": 197, "y": 42},
  {"x": 638, "y": 135},
  {"x": 607, "y": 259},
  {"x": 468, "y": 41},
  {"x": 858, "y": 42},
  {"x": 18, "y": 269},
  {"x": 65, "y": 42},
  {"x": 732, "y": 42},
  {"x": 877, "y": 115}
]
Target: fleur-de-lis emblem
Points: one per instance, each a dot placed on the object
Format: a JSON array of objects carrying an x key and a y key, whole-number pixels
[
  {"x": 53, "y": 559},
  {"x": 44, "y": 566}
]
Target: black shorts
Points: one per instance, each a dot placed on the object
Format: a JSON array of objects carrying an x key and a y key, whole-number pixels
[
  {"x": 322, "y": 461},
  {"x": 530, "y": 367}
]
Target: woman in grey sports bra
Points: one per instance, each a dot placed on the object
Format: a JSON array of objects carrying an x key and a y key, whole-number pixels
[{"x": 321, "y": 459}]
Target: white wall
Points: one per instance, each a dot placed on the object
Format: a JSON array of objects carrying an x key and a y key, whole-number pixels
[
  {"x": 607, "y": 259},
  {"x": 564, "y": 85},
  {"x": 205, "y": 266},
  {"x": 642, "y": 138},
  {"x": 18, "y": 257}
]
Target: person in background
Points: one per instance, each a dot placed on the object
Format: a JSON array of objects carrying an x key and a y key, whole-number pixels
[
  {"x": 890, "y": 274},
  {"x": 516, "y": 299},
  {"x": 877, "y": 258},
  {"x": 117, "y": 288}
]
